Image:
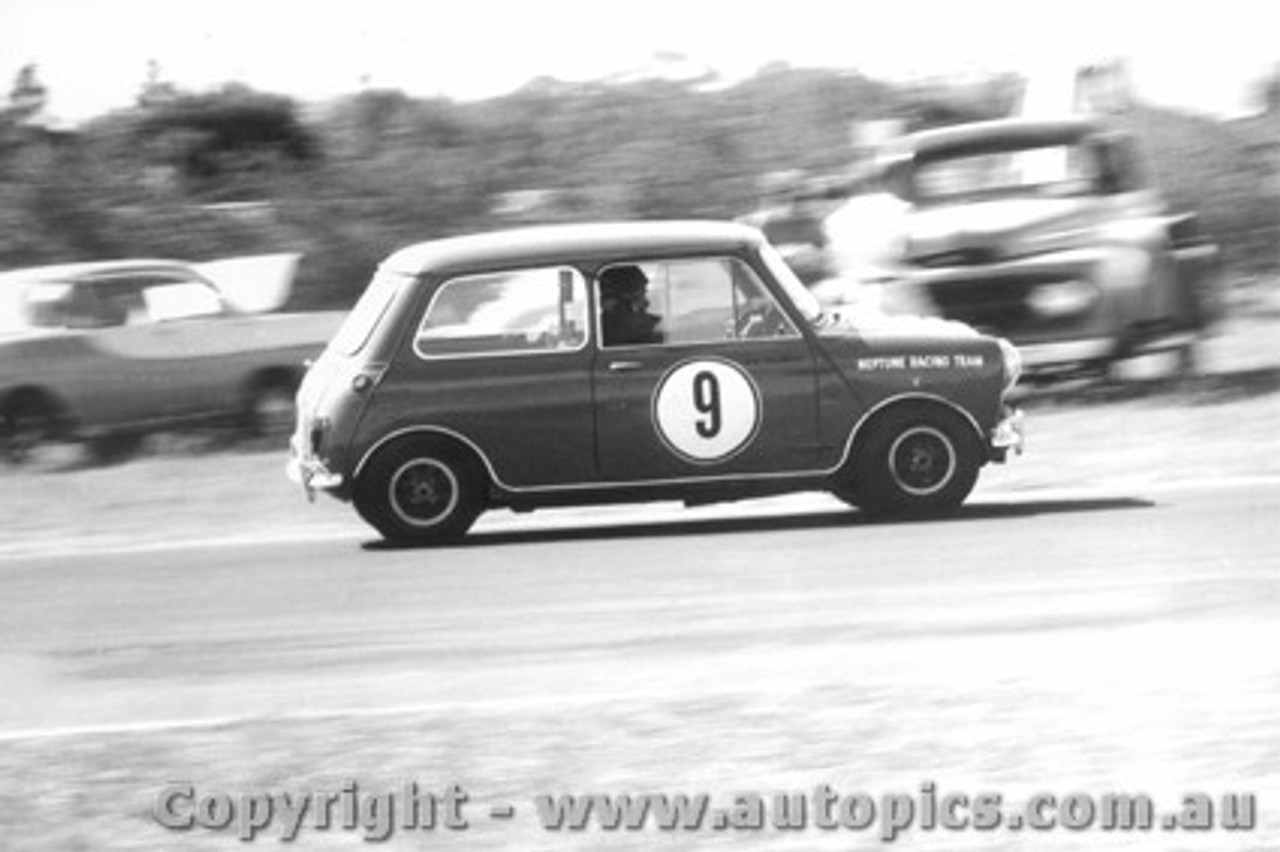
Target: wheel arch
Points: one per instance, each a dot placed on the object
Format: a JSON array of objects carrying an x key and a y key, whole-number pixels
[
  {"x": 38, "y": 398},
  {"x": 445, "y": 487},
  {"x": 446, "y": 436},
  {"x": 265, "y": 383},
  {"x": 861, "y": 431},
  {"x": 272, "y": 377}
]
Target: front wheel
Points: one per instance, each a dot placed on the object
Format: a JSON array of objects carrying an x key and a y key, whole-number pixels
[
  {"x": 30, "y": 423},
  {"x": 916, "y": 461},
  {"x": 420, "y": 491}
]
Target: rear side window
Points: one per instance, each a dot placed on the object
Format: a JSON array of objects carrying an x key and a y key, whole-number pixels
[
  {"x": 173, "y": 300},
  {"x": 512, "y": 312}
]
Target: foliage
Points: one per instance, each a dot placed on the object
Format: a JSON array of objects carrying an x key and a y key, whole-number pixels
[
  {"x": 27, "y": 97},
  {"x": 238, "y": 171},
  {"x": 221, "y": 144},
  {"x": 1268, "y": 92},
  {"x": 1204, "y": 167}
]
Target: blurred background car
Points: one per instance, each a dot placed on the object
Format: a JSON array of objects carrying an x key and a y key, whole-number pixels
[
  {"x": 130, "y": 346},
  {"x": 1043, "y": 231},
  {"x": 790, "y": 214}
]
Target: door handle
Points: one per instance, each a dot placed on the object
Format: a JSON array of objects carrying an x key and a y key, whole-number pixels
[{"x": 624, "y": 366}]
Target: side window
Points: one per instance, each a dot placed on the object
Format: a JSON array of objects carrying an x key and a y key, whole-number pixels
[
  {"x": 756, "y": 313},
  {"x": 86, "y": 304},
  {"x": 169, "y": 298},
  {"x": 91, "y": 306},
  {"x": 628, "y": 316},
  {"x": 130, "y": 304},
  {"x": 686, "y": 301},
  {"x": 125, "y": 295},
  {"x": 525, "y": 310}
]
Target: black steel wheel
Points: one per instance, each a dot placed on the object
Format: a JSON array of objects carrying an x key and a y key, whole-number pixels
[
  {"x": 420, "y": 491},
  {"x": 916, "y": 460}
]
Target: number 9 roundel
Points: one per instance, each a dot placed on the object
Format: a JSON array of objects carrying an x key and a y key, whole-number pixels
[{"x": 706, "y": 410}]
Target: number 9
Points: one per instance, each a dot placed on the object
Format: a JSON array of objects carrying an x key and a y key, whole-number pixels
[{"x": 706, "y": 399}]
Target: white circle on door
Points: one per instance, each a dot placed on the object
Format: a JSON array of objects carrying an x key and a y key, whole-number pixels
[{"x": 706, "y": 410}]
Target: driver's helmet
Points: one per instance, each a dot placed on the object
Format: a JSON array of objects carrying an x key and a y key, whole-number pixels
[{"x": 625, "y": 283}]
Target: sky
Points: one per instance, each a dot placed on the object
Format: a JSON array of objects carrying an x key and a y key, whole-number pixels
[{"x": 92, "y": 55}]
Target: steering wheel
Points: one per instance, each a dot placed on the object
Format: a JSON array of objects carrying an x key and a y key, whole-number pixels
[{"x": 764, "y": 320}]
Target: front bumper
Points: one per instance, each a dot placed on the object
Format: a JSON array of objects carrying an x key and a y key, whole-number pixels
[{"x": 1008, "y": 434}]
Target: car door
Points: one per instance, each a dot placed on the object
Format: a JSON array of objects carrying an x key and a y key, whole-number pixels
[
  {"x": 83, "y": 368},
  {"x": 500, "y": 360},
  {"x": 726, "y": 387},
  {"x": 172, "y": 356}
]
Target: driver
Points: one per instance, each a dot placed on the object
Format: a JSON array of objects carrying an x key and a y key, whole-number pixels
[{"x": 624, "y": 308}]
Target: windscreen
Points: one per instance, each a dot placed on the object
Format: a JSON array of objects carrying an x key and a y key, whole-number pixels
[
  {"x": 1049, "y": 170},
  {"x": 800, "y": 296}
]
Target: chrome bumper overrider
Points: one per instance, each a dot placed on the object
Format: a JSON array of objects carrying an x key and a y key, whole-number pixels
[
  {"x": 312, "y": 475},
  {"x": 1008, "y": 435}
]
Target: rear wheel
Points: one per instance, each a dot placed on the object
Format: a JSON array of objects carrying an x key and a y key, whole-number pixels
[
  {"x": 269, "y": 412},
  {"x": 420, "y": 491},
  {"x": 916, "y": 461}
]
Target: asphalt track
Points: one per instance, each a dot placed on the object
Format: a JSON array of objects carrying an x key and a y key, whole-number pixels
[{"x": 1120, "y": 637}]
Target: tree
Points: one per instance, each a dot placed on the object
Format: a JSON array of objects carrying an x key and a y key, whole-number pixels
[
  {"x": 28, "y": 96},
  {"x": 225, "y": 144},
  {"x": 1269, "y": 92},
  {"x": 156, "y": 90}
]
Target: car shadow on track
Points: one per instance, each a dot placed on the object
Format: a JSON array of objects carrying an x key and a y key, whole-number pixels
[{"x": 833, "y": 519}]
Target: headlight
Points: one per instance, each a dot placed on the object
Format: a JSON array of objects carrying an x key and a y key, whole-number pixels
[
  {"x": 1012, "y": 363},
  {"x": 1062, "y": 298}
]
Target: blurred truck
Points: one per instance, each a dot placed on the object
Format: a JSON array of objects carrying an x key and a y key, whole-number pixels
[{"x": 1045, "y": 232}]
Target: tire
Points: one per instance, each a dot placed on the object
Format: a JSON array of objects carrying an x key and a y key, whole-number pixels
[
  {"x": 31, "y": 422},
  {"x": 114, "y": 447},
  {"x": 420, "y": 491},
  {"x": 916, "y": 461}
]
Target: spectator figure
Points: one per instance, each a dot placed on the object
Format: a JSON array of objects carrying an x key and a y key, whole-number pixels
[{"x": 624, "y": 308}]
